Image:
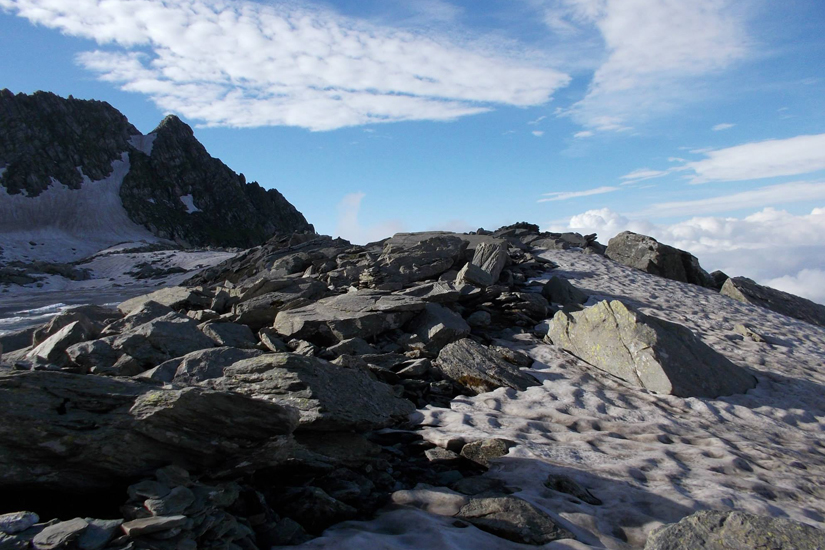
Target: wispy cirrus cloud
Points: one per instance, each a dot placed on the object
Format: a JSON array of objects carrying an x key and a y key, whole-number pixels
[
  {"x": 723, "y": 126},
  {"x": 655, "y": 51},
  {"x": 246, "y": 64},
  {"x": 762, "y": 159},
  {"x": 567, "y": 195}
]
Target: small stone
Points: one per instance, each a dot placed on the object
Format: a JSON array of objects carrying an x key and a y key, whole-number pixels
[
  {"x": 435, "y": 500},
  {"x": 480, "y": 319},
  {"x": 481, "y": 452},
  {"x": 441, "y": 455},
  {"x": 178, "y": 500},
  {"x": 58, "y": 535},
  {"x": 17, "y": 522},
  {"x": 99, "y": 533},
  {"x": 415, "y": 369}
]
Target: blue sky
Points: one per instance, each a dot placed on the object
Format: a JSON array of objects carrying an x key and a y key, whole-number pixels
[{"x": 701, "y": 123}]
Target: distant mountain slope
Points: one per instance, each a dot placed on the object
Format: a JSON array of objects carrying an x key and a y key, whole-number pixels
[{"x": 76, "y": 174}]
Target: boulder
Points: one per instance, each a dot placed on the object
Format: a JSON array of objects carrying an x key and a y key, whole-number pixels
[
  {"x": 260, "y": 310},
  {"x": 143, "y": 313},
  {"x": 60, "y": 534},
  {"x": 175, "y": 297},
  {"x": 426, "y": 259},
  {"x": 440, "y": 292},
  {"x": 53, "y": 349},
  {"x": 231, "y": 335},
  {"x": 747, "y": 291},
  {"x": 437, "y": 326},
  {"x": 472, "y": 274},
  {"x": 651, "y": 256},
  {"x": 17, "y": 340},
  {"x": 200, "y": 365},
  {"x": 717, "y": 530},
  {"x": 94, "y": 354},
  {"x": 353, "y": 346},
  {"x": 169, "y": 336},
  {"x": 93, "y": 317},
  {"x": 491, "y": 258},
  {"x": 483, "y": 451},
  {"x": 480, "y": 369},
  {"x": 647, "y": 352},
  {"x": 17, "y": 522},
  {"x": 513, "y": 519},
  {"x": 363, "y": 314},
  {"x": 560, "y": 291},
  {"x": 85, "y": 433},
  {"x": 328, "y": 397}
]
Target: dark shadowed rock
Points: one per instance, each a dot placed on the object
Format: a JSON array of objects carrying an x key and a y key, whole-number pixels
[
  {"x": 363, "y": 314},
  {"x": 513, "y": 519},
  {"x": 425, "y": 259},
  {"x": 260, "y": 310},
  {"x": 199, "y": 365},
  {"x": 60, "y": 534},
  {"x": 231, "y": 335},
  {"x": 328, "y": 397},
  {"x": 143, "y": 313},
  {"x": 651, "y": 256},
  {"x": 94, "y": 318},
  {"x": 437, "y": 326},
  {"x": 480, "y": 369},
  {"x": 747, "y": 291},
  {"x": 715, "y": 530},
  {"x": 175, "y": 297},
  {"x": 169, "y": 336},
  {"x": 53, "y": 350},
  {"x": 647, "y": 352},
  {"x": 75, "y": 432},
  {"x": 560, "y": 291}
]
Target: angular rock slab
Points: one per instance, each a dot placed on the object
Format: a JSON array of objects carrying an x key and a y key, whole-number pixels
[
  {"x": 363, "y": 314},
  {"x": 513, "y": 519},
  {"x": 647, "y": 352},
  {"x": 328, "y": 397},
  {"x": 479, "y": 368},
  {"x": 75, "y": 432},
  {"x": 426, "y": 259},
  {"x": 747, "y": 291},
  {"x": 491, "y": 258},
  {"x": 437, "y": 326},
  {"x": 715, "y": 530},
  {"x": 651, "y": 256},
  {"x": 175, "y": 297}
]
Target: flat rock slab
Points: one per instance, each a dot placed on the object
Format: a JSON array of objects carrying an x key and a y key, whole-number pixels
[
  {"x": 480, "y": 369},
  {"x": 86, "y": 432},
  {"x": 328, "y": 397},
  {"x": 715, "y": 530},
  {"x": 60, "y": 534},
  {"x": 513, "y": 519},
  {"x": 745, "y": 290},
  {"x": 16, "y": 522},
  {"x": 647, "y": 352},
  {"x": 363, "y": 314},
  {"x": 425, "y": 259},
  {"x": 148, "y": 526},
  {"x": 175, "y": 297}
]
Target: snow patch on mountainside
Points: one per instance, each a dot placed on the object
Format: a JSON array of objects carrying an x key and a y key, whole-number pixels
[
  {"x": 143, "y": 143},
  {"x": 189, "y": 202},
  {"x": 64, "y": 225}
]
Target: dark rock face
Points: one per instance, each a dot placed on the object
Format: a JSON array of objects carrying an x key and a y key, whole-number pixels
[
  {"x": 648, "y": 254},
  {"x": 644, "y": 351},
  {"x": 713, "y": 530},
  {"x": 480, "y": 369},
  {"x": 231, "y": 212},
  {"x": 45, "y": 137},
  {"x": 745, "y": 290}
]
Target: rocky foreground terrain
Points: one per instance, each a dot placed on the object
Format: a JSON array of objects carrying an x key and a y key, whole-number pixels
[{"x": 438, "y": 390}]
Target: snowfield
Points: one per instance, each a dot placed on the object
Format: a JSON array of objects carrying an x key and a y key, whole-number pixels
[{"x": 650, "y": 459}]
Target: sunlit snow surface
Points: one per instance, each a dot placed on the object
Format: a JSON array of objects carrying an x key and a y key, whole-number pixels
[
  {"x": 64, "y": 225},
  {"x": 651, "y": 459}
]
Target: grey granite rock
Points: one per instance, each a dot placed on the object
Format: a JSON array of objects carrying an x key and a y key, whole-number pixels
[
  {"x": 747, "y": 291},
  {"x": 648, "y": 254},
  {"x": 647, "y": 352},
  {"x": 513, "y": 519},
  {"x": 480, "y": 369}
]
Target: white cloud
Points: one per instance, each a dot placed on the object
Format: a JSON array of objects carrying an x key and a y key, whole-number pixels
[
  {"x": 534, "y": 122},
  {"x": 643, "y": 174},
  {"x": 350, "y": 228},
  {"x": 763, "y": 159},
  {"x": 247, "y": 64},
  {"x": 583, "y": 134},
  {"x": 654, "y": 49},
  {"x": 723, "y": 126},
  {"x": 771, "y": 246},
  {"x": 537, "y": 133},
  {"x": 566, "y": 195},
  {"x": 772, "y": 195}
]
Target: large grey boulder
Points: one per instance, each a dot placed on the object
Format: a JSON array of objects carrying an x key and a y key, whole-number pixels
[
  {"x": 17, "y": 340},
  {"x": 169, "y": 336},
  {"x": 426, "y": 259},
  {"x": 647, "y": 352},
  {"x": 651, "y": 256},
  {"x": 471, "y": 274},
  {"x": 233, "y": 335},
  {"x": 513, "y": 519},
  {"x": 715, "y": 530},
  {"x": 259, "y": 310},
  {"x": 329, "y": 397},
  {"x": 53, "y": 349},
  {"x": 80, "y": 432},
  {"x": 480, "y": 369},
  {"x": 491, "y": 257},
  {"x": 363, "y": 314},
  {"x": 747, "y": 291},
  {"x": 199, "y": 365},
  {"x": 175, "y": 297},
  {"x": 93, "y": 317},
  {"x": 437, "y": 326},
  {"x": 140, "y": 315}
]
